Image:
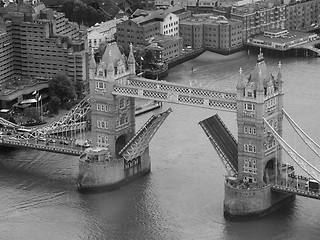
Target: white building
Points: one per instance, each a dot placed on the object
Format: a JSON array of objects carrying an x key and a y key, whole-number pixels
[
  {"x": 103, "y": 32},
  {"x": 169, "y": 24}
]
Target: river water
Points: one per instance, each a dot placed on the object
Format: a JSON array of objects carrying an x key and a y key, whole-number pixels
[{"x": 182, "y": 198}]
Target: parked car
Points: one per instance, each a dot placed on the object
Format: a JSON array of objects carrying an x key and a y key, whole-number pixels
[{"x": 64, "y": 142}]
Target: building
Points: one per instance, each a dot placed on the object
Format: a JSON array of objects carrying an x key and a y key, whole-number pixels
[
  {"x": 137, "y": 31},
  {"x": 146, "y": 25},
  {"x": 171, "y": 46},
  {"x": 222, "y": 34},
  {"x": 281, "y": 39},
  {"x": 6, "y": 56},
  {"x": 212, "y": 32},
  {"x": 115, "y": 109},
  {"x": 302, "y": 14},
  {"x": 103, "y": 32},
  {"x": 39, "y": 50},
  {"x": 191, "y": 32},
  {"x": 256, "y": 17}
]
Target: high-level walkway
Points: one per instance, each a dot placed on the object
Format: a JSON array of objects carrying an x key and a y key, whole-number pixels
[{"x": 222, "y": 140}]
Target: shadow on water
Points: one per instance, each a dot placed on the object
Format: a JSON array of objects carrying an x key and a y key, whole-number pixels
[
  {"x": 277, "y": 225},
  {"x": 133, "y": 212}
]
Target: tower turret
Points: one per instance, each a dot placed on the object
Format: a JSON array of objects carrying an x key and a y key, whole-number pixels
[
  {"x": 279, "y": 79},
  {"x": 131, "y": 61},
  {"x": 92, "y": 65},
  {"x": 110, "y": 68}
]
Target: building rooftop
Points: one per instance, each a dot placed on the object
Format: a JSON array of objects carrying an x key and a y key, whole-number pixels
[
  {"x": 208, "y": 18},
  {"x": 289, "y": 37},
  {"x": 242, "y": 7},
  {"x": 105, "y": 26},
  {"x": 164, "y": 39}
]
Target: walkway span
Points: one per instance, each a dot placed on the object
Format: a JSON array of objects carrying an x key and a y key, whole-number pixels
[{"x": 223, "y": 141}]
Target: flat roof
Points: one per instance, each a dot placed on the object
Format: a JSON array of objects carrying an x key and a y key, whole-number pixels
[{"x": 291, "y": 36}]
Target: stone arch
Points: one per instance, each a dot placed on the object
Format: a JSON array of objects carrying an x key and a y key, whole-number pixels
[
  {"x": 120, "y": 143},
  {"x": 269, "y": 171}
]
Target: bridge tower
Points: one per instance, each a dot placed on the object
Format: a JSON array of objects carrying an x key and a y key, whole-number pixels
[
  {"x": 112, "y": 116},
  {"x": 259, "y": 97}
]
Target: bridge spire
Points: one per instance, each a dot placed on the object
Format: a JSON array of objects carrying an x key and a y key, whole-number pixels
[
  {"x": 131, "y": 61},
  {"x": 92, "y": 65},
  {"x": 279, "y": 78},
  {"x": 110, "y": 68},
  {"x": 240, "y": 84}
]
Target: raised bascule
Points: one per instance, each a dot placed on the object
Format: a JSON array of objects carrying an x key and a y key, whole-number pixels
[{"x": 257, "y": 181}]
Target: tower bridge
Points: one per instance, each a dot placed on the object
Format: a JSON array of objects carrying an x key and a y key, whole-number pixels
[{"x": 257, "y": 180}]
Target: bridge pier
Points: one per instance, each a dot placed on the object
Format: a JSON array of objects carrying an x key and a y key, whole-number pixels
[{"x": 251, "y": 203}]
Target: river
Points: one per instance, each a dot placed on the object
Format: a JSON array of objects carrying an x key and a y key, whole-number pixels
[{"x": 182, "y": 198}]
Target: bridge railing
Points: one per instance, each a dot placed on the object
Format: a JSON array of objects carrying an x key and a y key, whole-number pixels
[{"x": 175, "y": 93}]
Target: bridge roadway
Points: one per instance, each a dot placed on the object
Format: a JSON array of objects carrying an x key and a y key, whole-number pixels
[
  {"x": 293, "y": 186},
  {"x": 58, "y": 145},
  {"x": 218, "y": 132}
]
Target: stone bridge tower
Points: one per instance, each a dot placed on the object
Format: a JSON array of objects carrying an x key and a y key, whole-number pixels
[
  {"x": 259, "y": 96},
  {"x": 112, "y": 116}
]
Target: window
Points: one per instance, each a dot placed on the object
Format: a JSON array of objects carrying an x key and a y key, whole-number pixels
[
  {"x": 121, "y": 103},
  {"x": 249, "y": 166},
  {"x": 122, "y": 120},
  {"x": 249, "y": 148},
  {"x": 100, "y": 85},
  {"x": 102, "y": 124},
  {"x": 102, "y": 140},
  {"x": 249, "y": 106}
]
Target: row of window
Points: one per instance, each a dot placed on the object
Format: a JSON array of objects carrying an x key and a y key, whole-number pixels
[
  {"x": 250, "y": 148},
  {"x": 249, "y": 107},
  {"x": 122, "y": 120},
  {"x": 101, "y": 85},
  {"x": 249, "y": 166},
  {"x": 249, "y": 130},
  {"x": 270, "y": 103},
  {"x": 102, "y": 124},
  {"x": 102, "y": 140},
  {"x": 170, "y": 24},
  {"x": 102, "y": 107},
  {"x": 269, "y": 144}
]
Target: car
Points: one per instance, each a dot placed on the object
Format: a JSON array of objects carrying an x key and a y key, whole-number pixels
[
  {"x": 41, "y": 139},
  {"x": 65, "y": 142},
  {"x": 51, "y": 140}
]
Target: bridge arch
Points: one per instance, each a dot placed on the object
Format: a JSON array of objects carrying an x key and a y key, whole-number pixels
[
  {"x": 120, "y": 143},
  {"x": 269, "y": 170}
]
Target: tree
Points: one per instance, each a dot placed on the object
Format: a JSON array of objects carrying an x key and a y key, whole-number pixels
[
  {"x": 77, "y": 11},
  {"x": 53, "y": 105},
  {"x": 32, "y": 113},
  {"x": 62, "y": 87}
]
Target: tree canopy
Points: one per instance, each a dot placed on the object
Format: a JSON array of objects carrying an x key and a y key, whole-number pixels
[
  {"x": 62, "y": 87},
  {"x": 77, "y": 11}
]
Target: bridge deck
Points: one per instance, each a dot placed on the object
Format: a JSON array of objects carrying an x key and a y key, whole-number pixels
[
  {"x": 223, "y": 138},
  {"x": 44, "y": 146},
  {"x": 300, "y": 191}
]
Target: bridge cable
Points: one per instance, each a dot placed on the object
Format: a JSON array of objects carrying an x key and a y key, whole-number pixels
[
  {"x": 308, "y": 168},
  {"x": 306, "y": 139}
]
